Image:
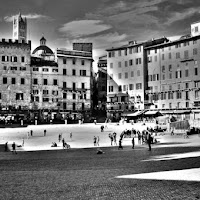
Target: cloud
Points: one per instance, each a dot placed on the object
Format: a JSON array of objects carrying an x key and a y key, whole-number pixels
[
  {"x": 29, "y": 16},
  {"x": 80, "y": 28},
  {"x": 177, "y": 16}
]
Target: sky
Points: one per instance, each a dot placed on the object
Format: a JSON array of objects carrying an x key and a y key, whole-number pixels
[{"x": 105, "y": 23}]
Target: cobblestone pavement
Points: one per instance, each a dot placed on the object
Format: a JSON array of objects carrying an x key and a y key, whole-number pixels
[{"x": 83, "y": 174}]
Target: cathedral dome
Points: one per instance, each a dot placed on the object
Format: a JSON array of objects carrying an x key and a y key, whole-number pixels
[{"x": 42, "y": 49}]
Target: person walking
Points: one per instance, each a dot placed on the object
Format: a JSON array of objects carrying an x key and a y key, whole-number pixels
[
  {"x": 31, "y": 132},
  {"x": 59, "y": 137},
  {"x": 14, "y": 148},
  {"x": 70, "y": 135},
  {"x": 63, "y": 142},
  {"x": 95, "y": 141},
  {"x": 22, "y": 142},
  {"x": 133, "y": 142},
  {"x": 120, "y": 144},
  {"x": 98, "y": 140},
  {"x": 45, "y": 132},
  {"x": 149, "y": 138},
  {"x": 6, "y": 146}
]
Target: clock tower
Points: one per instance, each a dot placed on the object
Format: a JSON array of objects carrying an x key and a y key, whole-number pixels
[{"x": 19, "y": 28}]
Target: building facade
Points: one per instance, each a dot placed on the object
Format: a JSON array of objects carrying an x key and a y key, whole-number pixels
[
  {"x": 15, "y": 76},
  {"x": 75, "y": 80}
]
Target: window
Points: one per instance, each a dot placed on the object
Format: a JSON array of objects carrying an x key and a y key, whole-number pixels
[
  {"x": 35, "y": 92},
  {"x": 170, "y": 105},
  {"x": 130, "y": 62},
  {"x": 130, "y": 50},
  {"x": 131, "y": 86},
  {"x": 54, "y": 92},
  {"x": 119, "y": 53},
  {"x": 55, "y": 82},
  {"x": 178, "y": 55},
  {"x": 74, "y": 96},
  {"x": 82, "y": 62},
  {"x": 170, "y": 68},
  {"x": 195, "y": 71},
  {"x": 35, "y": 69},
  {"x": 178, "y": 94},
  {"x": 3, "y": 58},
  {"x": 64, "y": 84},
  {"x": 138, "y": 86},
  {"x": 15, "y": 58},
  {"x": 54, "y": 70},
  {"x": 170, "y": 55},
  {"x": 196, "y": 29},
  {"x": 45, "y": 69},
  {"x": 45, "y": 92},
  {"x": 19, "y": 96},
  {"x": 45, "y": 81},
  {"x": 186, "y": 85},
  {"x": 163, "y": 77},
  {"x": 119, "y": 64},
  {"x": 111, "y": 65},
  {"x": 163, "y": 69},
  {"x": 132, "y": 73},
  {"x": 186, "y": 73},
  {"x": 82, "y": 72},
  {"x": 126, "y": 74},
  {"x": 64, "y": 61},
  {"x": 22, "y": 81},
  {"x": 126, "y": 64},
  {"x": 13, "y": 68},
  {"x": 64, "y": 105},
  {"x": 119, "y": 88},
  {"x": 110, "y": 88},
  {"x": 125, "y": 52},
  {"x": 83, "y": 85},
  {"x": 150, "y": 59},
  {"x": 64, "y": 71},
  {"x": 74, "y": 86},
  {"x": 138, "y": 72},
  {"x": 5, "y": 81},
  {"x": 45, "y": 99},
  {"x": 73, "y": 61},
  {"x": 163, "y": 56},
  {"x": 13, "y": 81},
  {"x": 170, "y": 75},
  {"x": 22, "y": 68},
  {"x": 138, "y": 61},
  {"x": 73, "y": 72},
  {"x": 195, "y": 51},
  {"x": 22, "y": 59},
  {"x": 124, "y": 87},
  {"x": 119, "y": 76},
  {"x": 186, "y": 54}
]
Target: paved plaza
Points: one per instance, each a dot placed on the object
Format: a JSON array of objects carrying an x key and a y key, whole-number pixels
[{"x": 38, "y": 171}]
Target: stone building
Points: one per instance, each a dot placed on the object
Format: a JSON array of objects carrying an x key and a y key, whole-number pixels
[
  {"x": 75, "y": 80},
  {"x": 15, "y": 76},
  {"x": 173, "y": 75},
  {"x": 127, "y": 72}
]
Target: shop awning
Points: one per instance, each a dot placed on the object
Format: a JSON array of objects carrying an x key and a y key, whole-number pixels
[
  {"x": 182, "y": 111},
  {"x": 152, "y": 112},
  {"x": 137, "y": 113}
]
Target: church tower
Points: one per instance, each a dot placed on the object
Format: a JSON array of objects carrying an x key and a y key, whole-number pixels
[{"x": 19, "y": 28}]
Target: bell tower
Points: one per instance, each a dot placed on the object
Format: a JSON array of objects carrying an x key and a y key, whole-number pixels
[{"x": 19, "y": 28}]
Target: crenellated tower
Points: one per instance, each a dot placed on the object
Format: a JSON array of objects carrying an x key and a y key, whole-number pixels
[{"x": 19, "y": 28}]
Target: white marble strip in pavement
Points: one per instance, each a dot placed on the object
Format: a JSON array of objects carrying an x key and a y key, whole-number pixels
[
  {"x": 175, "y": 156},
  {"x": 179, "y": 175}
]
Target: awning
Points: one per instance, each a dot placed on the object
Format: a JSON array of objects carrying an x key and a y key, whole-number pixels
[
  {"x": 167, "y": 111},
  {"x": 182, "y": 111},
  {"x": 196, "y": 111},
  {"x": 137, "y": 113},
  {"x": 152, "y": 112}
]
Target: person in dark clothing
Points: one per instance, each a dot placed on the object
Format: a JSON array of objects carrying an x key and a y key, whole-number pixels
[
  {"x": 31, "y": 132},
  {"x": 14, "y": 148},
  {"x": 102, "y": 127},
  {"x": 120, "y": 144},
  {"x": 149, "y": 138},
  {"x": 133, "y": 143},
  {"x": 6, "y": 146},
  {"x": 45, "y": 132}
]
